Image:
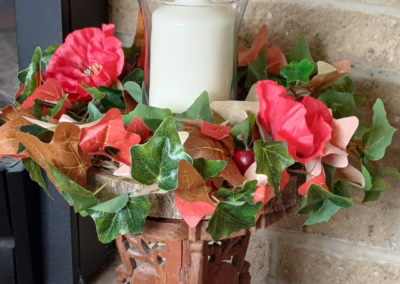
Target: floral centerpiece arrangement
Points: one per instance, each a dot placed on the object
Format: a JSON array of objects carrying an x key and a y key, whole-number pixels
[{"x": 226, "y": 158}]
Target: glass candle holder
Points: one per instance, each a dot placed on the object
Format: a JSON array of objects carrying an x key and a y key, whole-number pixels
[{"x": 190, "y": 48}]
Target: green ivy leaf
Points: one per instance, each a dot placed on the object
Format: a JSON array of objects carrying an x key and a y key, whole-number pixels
[
  {"x": 391, "y": 172},
  {"x": 316, "y": 196},
  {"x": 246, "y": 128},
  {"x": 257, "y": 70},
  {"x": 228, "y": 219},
  {"x": 112, "y": 98},
  {"x": 94, "y": 92},
  {"x": 128, "y": 220},
  {"x": 246, "y": 194},
  {"x": 361, "y": 130},
  {"x": 94, "y": 113},
  {"x": 37, "y": 109},
  {"x": 300, "y": 52},
  {"x": 30, "y": 81},
  {"x": 208, "y": 168},
  {"x": 380, "y": 134},
  {"x": 22, "y": 76},
  {"x": 272, "y": 158},
  {"x": 157, "y": 160},
  {"x": 359, "y": 99},
  {"x": 35, "y": 173},
  {"x": 136, "y": 76},
  {"x": 53, "y": 111},
  {"x": 297, "y": 72},
  {"x": 279, "y": 79},
  {"x": 343, "y": 85},
  {"x": 376, "y": 176},
  {"x": 132, "y": 53},
  {"x": 342, "y": 190},
  {"x": 323, "y": 214},
  {"x": 112, "y": 205},
  {"x": 151, "y": 116},
  {"x": 342, "y": 104},
  {"x": 48, "y": 53},
  {"x": 200, "y": 109},
  {"x": 134, "y": 90},
  {"x": 75, "y": 194},
  {"x": 329, "y": 176},
  {"x": 371, "y": 196}
]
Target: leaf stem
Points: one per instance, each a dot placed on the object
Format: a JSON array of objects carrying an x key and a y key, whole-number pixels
[
  {"x": 216, "y": 199},
  {"x": 104, "y": 185},
  {"x": 353, "y": 184}
]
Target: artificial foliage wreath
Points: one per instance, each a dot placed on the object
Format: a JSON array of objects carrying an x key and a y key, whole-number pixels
[{"x": 227, "y": 159}]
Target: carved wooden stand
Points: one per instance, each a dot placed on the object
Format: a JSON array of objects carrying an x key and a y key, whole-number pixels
[{"x": 169, "y": 252}]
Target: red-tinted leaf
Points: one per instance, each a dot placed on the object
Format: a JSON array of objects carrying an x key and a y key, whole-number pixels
[
  {"x": 20, "y": 91},
  {"x": 109, "y": 132},
  {"x": 263, "y": 193},
  {"x": 285, "y": 177},
  {"x": 137, "y": 126},
  {"x": 50, "y": 91},
  {"x": 260, "y": 42},
  {"x": 216, "y": 131},
  {"x": 318, "y": 180},
  {"x": 193, "y": 212},
  {"x": 275, "y": 60}
]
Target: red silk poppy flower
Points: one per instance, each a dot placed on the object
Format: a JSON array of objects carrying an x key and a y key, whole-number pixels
[
  {"x": 92, "y": 56},
  {"x": 304, "y": 126}
]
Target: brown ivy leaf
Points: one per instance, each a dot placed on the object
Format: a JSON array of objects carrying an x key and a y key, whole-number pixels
[
  {"x": 327, "y": 74},
  {"x": 63, "y": 152},
  {"x": 129, "y": 102},
  {"x": 199, "y": 145},
  {"x": 191, "y": 186},
  {"x": 8, "y": 113},
  {"x": 140, "y": 37},
  {"x": 229, "y": 145},
  {"x": 231, "y": 172},
  {"x": 52, "y": 120},
  {"x": 8, "y": 136}
]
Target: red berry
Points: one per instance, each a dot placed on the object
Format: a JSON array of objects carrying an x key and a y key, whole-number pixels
[{"x": 244, "y": 159}]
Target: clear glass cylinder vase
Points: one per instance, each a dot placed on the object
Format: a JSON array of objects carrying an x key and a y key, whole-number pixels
[{"x": 190, "y": 48}]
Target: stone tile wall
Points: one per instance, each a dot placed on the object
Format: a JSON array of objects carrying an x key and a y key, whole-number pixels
[{"x": 359, "y": 245}]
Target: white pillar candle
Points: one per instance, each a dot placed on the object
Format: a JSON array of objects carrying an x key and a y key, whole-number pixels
[{"x": 192, "y": 50}]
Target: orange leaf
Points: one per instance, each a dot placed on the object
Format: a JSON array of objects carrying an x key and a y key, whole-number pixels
[
  {"x": 231, "y": 172},
  {"x": 109, "y": 132},
  {"x": 140, "y": 36},
  {"x": 216, "y": 131},
  {"x": 260, "y": 42},
  {"x": 129, "y": 102},
  {"x": 8, "y": 113},
  {"x": 275, "y": 60},
  {"x": 199, "y": 145},
  {"x": 8, "y": 136},
  {"x": 63, "y": 152},
  {"x": 191, "y": 186},
  {"x": 193, "y": 212}
]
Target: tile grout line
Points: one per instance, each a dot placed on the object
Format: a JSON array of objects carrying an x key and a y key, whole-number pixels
[
  {"x": 339, "y": 248},
  {"x": 346, "y": 5}
]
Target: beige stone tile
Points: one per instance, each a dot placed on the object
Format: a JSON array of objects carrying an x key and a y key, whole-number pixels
[
  {"x": 258, "y": 255},
  {"x": 333, "y": 34},
  {"x": 123, "y": 13},
  {"x": 387, "y": 2},
  {"x": 306, "y": 266}
]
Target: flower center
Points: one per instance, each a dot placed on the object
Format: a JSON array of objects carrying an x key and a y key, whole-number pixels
[{"x": 92, "y": 70}]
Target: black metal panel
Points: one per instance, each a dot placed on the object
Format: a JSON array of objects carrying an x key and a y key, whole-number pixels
[
  {"x": 46, "y": 22},
  {"x": 39, "y": 23},
  {"x": 5, "y": 221},
  {"x": 25, "y": 215},
  {"x": 7, "y": 267}
]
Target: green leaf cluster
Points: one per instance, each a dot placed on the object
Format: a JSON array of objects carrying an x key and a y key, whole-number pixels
[
  {"x": 297, "y": 73},
  {"x": 235, "y": 213},
  {"x": 272, "y": 158}
]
